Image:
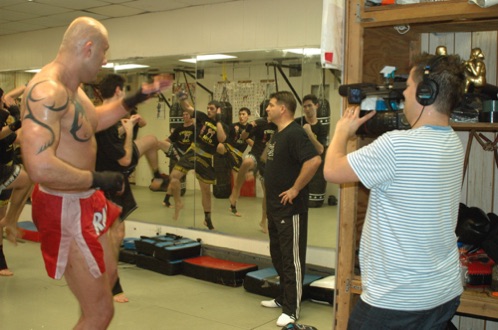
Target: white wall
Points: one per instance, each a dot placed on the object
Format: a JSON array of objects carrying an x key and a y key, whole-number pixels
[{"x": 225, "y": 27}]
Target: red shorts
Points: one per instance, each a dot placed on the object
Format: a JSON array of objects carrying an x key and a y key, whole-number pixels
[{"x": 63, "y": 217}]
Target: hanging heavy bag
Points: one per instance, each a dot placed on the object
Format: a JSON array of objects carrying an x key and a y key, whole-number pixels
[{"x": 222, "y": 188}]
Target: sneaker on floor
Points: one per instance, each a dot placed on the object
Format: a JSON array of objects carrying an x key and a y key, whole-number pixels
[
  {"x": 270, "y": 303},
  {"x": 285, "y": 319}
]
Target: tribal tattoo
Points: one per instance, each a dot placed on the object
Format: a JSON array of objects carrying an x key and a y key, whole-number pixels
[
  {"x": 79, "y": 113},
  {"x": 30, "y": 115}
]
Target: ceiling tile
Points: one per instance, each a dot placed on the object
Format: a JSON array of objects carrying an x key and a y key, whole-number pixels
[
  {"x": 78, "y": 5},
  {"x": 21, "y": 27},
  {"x": 116, "y": 11},
  {"x": 154, "y": 5},
  {"x": 36, "y": 8},
  {"x": 13, "y": 16},
  {"x": 63, "y": 19}
]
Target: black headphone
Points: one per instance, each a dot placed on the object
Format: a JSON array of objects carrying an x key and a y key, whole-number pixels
[{"x": 428, "y": 89}]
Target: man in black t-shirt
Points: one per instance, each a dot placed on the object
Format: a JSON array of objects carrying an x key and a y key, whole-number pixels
[
  {"x": 259, "y": 133},
  {"x": 118, "y": 150},
  {"x": 181, "y": 139},
  {"x": 209, "y": 132},
  {"x": 235, "y": 145},
  {"x": 318, "y": 136},
  {"x": 291, "y": 162}
]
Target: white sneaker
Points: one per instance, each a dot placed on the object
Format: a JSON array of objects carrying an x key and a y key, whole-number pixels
[
  {"x": 270, "y": 303},
  {"x": 285, "y": 319}
]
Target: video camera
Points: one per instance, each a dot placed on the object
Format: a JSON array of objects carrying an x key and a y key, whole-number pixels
[
  {"x": 383, "y": 121},
  {"x": 358, "y": 92}
]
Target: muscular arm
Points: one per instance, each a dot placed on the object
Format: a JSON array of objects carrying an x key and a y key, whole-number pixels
[
  {"x": 46, "y": 106},
  {"x": 109, "y": 113}
]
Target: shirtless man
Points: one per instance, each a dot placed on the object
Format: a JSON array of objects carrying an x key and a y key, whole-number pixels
[{"x": 59, "y": 151}]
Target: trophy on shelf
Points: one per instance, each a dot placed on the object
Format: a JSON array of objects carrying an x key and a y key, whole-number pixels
[{"x": 475, "y": 71}]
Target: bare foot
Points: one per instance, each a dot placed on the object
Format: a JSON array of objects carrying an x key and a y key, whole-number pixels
[
  {"x": 12, "y": 233},
  {"x": 168, "y": 205},
  {"x": 264, "y": 226},
  {"x": 6, "y": 272},
  {"x": 121, "y": 298},
  {"x": 178, "y": 207},
  {"x": 233, "y": 209}
]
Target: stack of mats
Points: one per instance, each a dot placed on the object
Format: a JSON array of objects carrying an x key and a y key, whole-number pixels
[
  {"x": 164, "y": 253},
  {"x": 219, "y": 271},
  {"x": 266, "y": 282},
  {"x": 128, "y": 252},
  {"x": 322, "y": 290}
]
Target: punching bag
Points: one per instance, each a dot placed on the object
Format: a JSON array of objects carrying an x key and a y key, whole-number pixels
[
  {"x": 262, "y": 108},
  {"x": 318, "y": 185},
  {"x": 226, "y": 112},
  {"x": 222, "y": 188},
  {"x": 323, "y": 116}
]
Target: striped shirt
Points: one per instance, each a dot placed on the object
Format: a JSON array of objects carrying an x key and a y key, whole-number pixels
[{"x": 408, "y": 249}]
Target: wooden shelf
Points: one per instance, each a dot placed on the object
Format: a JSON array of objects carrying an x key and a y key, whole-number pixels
[
  {"x": 481, "y": 127},
  {"x": 441, "y": 12}
]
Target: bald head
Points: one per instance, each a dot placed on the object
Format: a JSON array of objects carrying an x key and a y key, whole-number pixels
[{"x": 80, "y": 31}]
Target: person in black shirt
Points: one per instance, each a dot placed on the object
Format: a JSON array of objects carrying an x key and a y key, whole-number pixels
[
  {"x": 199, "y": 157},
  {"x": 260, "y": 132},
  {"x": 118, "y": 150},
  {"x": 235, "y": 145},
  {"x": 181, "y": 139},
  {"x": 291, "y": 162}
]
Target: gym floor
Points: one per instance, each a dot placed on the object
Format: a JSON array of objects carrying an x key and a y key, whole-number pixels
[{"x": 32, "y": 300}]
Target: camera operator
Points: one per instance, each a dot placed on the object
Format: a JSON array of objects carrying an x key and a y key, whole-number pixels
[{"x": 408, "y": 251}]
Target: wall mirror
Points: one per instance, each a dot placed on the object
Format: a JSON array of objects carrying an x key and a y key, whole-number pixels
[{"x": 245, "y": 80}]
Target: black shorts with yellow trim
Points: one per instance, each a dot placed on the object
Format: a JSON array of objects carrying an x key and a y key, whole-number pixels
[
  {"x": 200, "y": 161},
  {"x": 234, "y": 156}
]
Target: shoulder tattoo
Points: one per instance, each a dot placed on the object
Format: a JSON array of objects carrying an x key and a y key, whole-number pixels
[{"x": 32, "y": 101}]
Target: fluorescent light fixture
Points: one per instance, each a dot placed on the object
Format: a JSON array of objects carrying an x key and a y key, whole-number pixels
[
  {"x": 211, "y": 57},
  {"x": 304, "y": 51},
  {"x": 118, "y": 67},
  {"x": 33, "y": 71}
]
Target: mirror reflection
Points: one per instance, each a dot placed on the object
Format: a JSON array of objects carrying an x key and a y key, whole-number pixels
[{"x": 244, "y": 81}]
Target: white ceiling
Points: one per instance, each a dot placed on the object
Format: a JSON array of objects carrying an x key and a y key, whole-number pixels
[{"x": 17, "y": 16}]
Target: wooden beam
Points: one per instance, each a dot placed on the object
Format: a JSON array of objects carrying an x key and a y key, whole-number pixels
[{"x": 440, "y": 11}]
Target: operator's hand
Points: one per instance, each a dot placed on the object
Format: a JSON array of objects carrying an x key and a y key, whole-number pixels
[{"x": 351, "y": 121}]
